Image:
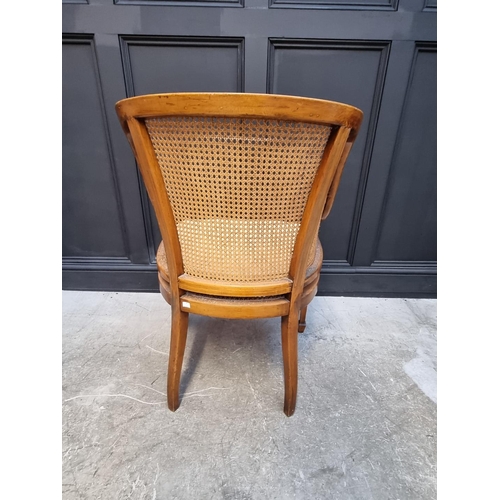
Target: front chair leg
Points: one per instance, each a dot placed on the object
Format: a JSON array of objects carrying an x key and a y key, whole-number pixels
[
  {"x": 289, "y": 339},
  {"x": 177, "y": 345},
  {"x": 302, "y": 320}
]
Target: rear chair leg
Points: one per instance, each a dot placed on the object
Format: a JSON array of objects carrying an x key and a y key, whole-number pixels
[
  {"x": 177, "y": 345},
  {"x": 289, "y": 340},
  {"x": 302, "y": 320}
]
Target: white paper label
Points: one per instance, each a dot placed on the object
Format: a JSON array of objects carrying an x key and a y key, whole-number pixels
[{"x": 187, "y": 305}]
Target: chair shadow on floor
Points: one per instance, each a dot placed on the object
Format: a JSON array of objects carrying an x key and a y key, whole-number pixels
[{"x": 216, "y": 339}]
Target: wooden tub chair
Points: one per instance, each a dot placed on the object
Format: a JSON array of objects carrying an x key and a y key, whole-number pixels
[{"x": 239, "y": 184}]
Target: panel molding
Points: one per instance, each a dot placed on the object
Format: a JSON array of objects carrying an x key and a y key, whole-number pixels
[
  {"x": 183, "y": 3},
  {"x": 126, "y": 278},
  {"x": 171, "y": 41},
  {"x": 411, "y": 266},
  {"x": 430, "y": 6},
  {"x": 419, "y": 47},
  {"x": 381, "y": 267},
  {"x": 355, "y": 282},
  {"x": 86, "y": 262},
  {"x": 391, "y": 5},
  {"x": 361, "y": 283},
  {"x": 407, "y": 279},
  {"x": 88, "y": 39},
  {"x": 178, "y": 41},
  {"x": 78, "y": 38},
  {"x": 384, "y": 48}
]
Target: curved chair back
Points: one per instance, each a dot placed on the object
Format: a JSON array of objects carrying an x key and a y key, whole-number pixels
[{"x": 230, "y": 177}]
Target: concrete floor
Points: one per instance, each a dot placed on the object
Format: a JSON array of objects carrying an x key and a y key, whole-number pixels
[{"x": 364, "y": 427}]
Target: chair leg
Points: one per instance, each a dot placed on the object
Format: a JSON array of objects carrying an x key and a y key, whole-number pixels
[
  {"x": 177, "y": 345},
  {"x": 302, "y": 320},
  {"x": 289, "y": 339}
]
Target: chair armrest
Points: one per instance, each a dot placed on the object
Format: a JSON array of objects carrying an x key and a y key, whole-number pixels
[{"x": 336, "y": 181}]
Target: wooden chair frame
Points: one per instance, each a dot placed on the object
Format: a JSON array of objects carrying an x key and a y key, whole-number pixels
[{"x": 287, "y": 297}]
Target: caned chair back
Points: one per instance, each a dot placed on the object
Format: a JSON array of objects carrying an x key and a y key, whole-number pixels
[{"x": 230, "y": 177}]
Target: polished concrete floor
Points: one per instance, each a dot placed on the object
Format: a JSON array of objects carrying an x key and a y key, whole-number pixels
[{"x": 364, "y": 427}]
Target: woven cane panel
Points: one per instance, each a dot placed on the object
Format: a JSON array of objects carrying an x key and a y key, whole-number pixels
[{"x": 238, "y": 189}]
